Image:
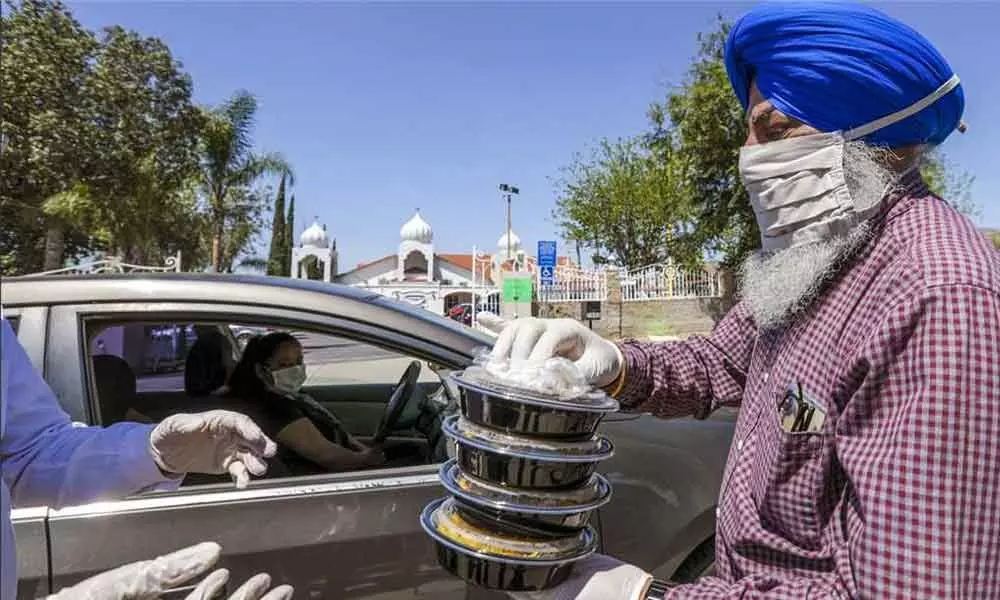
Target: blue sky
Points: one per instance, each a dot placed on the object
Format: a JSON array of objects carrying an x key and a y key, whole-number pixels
[{"x": 386, "y": 107}]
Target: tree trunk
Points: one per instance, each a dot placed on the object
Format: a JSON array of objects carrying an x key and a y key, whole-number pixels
[
  {"x": 55, "y": 246},
  {"x": 217, "y": 250}
]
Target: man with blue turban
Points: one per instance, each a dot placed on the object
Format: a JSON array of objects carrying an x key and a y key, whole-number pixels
[{"x": 864, "y": 352}]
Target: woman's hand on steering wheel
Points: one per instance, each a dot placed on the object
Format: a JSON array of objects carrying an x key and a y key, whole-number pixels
[{"x": 371, "y": 457}]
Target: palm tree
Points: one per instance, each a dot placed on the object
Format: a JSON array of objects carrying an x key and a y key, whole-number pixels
[{"x": 229, "y": 164}]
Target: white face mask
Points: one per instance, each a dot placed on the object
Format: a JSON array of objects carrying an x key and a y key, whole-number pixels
[
  {"x": 798, "y": 188},
  {"x": 289, "y": 379}
]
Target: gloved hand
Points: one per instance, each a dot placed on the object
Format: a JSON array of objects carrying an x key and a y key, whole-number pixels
[
  {"x": 212, "y": 442},
  {"x": 528, "y": 338},
  {"x": 597, "y": 577},
  {"x": 148, "y": 579},
  {"x": 255, "y": 588}
]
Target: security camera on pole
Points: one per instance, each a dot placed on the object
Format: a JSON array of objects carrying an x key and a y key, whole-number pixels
[{"x": 516, "y": 283}]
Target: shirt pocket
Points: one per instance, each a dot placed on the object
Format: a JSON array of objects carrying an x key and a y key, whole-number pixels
[{"x": 788, "y": 486}]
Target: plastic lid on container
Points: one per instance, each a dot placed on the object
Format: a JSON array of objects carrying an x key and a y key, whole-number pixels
[
  {"x": 466, "y": 432},
  {"x": 480, "y": 380},
  {"x": 594, "y": 493},
  {"x": 444, "y": 522}
]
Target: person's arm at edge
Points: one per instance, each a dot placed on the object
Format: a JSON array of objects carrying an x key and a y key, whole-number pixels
[
  {"x": 46, "y": 460},
  {"x": 930, "y": 529},
  {"x": 302, "y": 436},
  {"x": 690, "y": 377}
]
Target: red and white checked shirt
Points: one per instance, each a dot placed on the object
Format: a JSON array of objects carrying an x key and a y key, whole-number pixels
[{"x": 899, "y": 495}]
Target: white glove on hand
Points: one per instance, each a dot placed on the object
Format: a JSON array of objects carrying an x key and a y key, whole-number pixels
[
  {"x": 212, "y": 442},
  {"x": 148, "y": 579},
  {"x": 597, "y": 577},
  {"x": 255, "y": 588},
  {"x": 528, "y": 338},
  {"x": 145, "y": 579}
]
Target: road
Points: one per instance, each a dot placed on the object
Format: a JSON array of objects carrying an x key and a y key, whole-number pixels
[{"x": 324, "y": 349}]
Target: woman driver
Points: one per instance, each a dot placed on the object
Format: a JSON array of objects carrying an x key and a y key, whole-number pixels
[{"x": 268, "y": 378}]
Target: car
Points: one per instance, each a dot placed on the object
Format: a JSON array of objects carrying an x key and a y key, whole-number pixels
[
  {"x": 244, "y": 334},
  {"x": 331, "y": 535}
]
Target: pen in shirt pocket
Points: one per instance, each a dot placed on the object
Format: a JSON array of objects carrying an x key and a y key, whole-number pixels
[{"x": 800, "y": 412}]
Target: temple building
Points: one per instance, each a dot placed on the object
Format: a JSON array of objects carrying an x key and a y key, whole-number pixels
[{"x": 417, "y": 273}]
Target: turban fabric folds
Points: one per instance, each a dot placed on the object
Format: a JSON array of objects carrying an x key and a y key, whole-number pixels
[{"x": 836, "y": 66}]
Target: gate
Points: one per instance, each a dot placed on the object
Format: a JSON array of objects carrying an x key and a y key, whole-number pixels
[
  {"x": 666, "y": 281},
  {"x": 115, "y": 264},
  {"x": 573, "y": 284}
]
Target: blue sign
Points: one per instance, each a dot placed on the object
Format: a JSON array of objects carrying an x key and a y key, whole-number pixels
[{"x": 546, "y": 262}]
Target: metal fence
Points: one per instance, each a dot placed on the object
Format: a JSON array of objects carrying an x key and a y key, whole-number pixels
[
  {"x": 115, "y": 264},
  {"x": 666, "y": 281},
  {"x": 573, "y": 284}
]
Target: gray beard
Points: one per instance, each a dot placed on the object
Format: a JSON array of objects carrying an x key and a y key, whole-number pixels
[{"x": 777, "y": 287}]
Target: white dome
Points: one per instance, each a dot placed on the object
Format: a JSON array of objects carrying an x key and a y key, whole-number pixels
[
  {"x": 416, "y": 230},
  {"x": 315, "y": 236},
  {"x": 515, "y": 243}
]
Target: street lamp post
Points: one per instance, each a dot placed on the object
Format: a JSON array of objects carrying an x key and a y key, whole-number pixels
[{"x": 508, "y": 191}]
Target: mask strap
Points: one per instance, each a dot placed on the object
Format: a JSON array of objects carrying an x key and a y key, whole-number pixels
[{"x": 909, "y": 111}]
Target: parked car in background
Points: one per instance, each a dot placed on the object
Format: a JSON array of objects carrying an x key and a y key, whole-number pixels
[
  {"x": 332, "y": 535},
  {"x": 244, "y": 334}
]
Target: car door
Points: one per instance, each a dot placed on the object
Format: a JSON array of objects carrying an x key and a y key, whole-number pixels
[
  {"x": 29, "y": 522},
  {"x": 347, "y": 535}
]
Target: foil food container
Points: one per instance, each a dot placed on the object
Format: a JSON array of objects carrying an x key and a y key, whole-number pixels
[
  {"x": 491, "y": 560},
  {"x": 549, "y": 513},
  {"x": 489, "y": 402},
  {"x": 517, "y": 461}
]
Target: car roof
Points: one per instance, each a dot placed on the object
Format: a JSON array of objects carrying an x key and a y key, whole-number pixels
[{"x": 311, "y": 296}]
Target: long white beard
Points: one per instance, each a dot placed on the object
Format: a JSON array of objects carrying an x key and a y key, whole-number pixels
[{"x": 778, "y": 286}]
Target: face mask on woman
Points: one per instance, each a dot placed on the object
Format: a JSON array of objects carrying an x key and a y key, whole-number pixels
[{"x": 289, "y": 379}]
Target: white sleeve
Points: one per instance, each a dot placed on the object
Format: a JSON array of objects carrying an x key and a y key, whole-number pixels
[{"x": 46, "y": 460}]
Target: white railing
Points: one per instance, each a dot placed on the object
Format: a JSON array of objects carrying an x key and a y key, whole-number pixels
[
  {"x": 115, "y": 264},
  {"x": 573, "y": 284},
  {"x": 666, "y": 281}
]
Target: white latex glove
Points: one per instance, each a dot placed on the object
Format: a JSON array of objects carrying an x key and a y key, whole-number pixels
[
  {"x": 146, "y": 579},
  {"x": 528, "y": 338},
  {"x": 212, "y": 442},
  {"x": 257, "y": 587},
  {"x": 597, "y": 577}
]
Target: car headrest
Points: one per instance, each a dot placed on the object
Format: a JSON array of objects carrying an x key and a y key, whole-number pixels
[
  {"x": 116, "y": 387},
  {"x": 205, "y": 366}
]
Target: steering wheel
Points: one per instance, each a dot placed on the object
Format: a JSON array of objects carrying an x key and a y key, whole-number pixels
[{"x": 397, "y": 402}]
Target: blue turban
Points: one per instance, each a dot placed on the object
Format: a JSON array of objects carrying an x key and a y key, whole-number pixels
[{"x": 836, "y": 66}]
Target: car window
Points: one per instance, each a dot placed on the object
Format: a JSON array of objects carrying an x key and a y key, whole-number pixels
[
  {"x": 138, "y": 369},
  {"x": 14, "y": 321},
  {"x": 147, "y": 371},
  {"x": 342, "y": 362}
]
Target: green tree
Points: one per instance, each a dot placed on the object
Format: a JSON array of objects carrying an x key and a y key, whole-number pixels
[
  {"x": 46, "y": 126},
  {"x": 704, "y": 125},
  {"x": 102, "y": 142},
  {"x": 626, "y": 203},
  {"x": 229, "y": 169},
  {"x": 276, "y": 263},
  {"x": 146, "y": 143},
  {"x": 312, "y": 268},
  {"x": 950, "y": 182},
  {"x": 290, "y": 235}
]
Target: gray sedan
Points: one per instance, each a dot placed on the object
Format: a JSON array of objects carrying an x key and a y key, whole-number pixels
[{"x": 332, "y": 535}]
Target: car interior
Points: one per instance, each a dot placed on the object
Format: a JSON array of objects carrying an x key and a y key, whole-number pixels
[{"x": 381, "y": 396}]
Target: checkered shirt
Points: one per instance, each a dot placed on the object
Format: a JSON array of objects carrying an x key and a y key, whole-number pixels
[{"x": 898, "y": 496}]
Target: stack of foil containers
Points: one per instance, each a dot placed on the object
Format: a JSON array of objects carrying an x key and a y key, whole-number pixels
[{"x": 523, "y": 484}]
